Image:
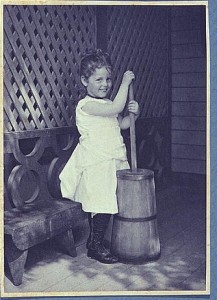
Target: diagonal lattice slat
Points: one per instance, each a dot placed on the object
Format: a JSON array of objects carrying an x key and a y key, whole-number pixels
[
  {"x": 137, "y": 40},
  {"x": 42, "y": 50}
]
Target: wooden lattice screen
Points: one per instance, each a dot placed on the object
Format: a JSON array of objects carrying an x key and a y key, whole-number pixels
[
  {"x": 42, "y": 48},
  {"x": 138, "y": 40}
]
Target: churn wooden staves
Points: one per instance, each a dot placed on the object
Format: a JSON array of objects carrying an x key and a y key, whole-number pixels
[{"x": 135, "y": 235}]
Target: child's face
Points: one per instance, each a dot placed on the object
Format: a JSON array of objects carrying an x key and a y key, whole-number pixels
[{"x": 99, "y": 83}]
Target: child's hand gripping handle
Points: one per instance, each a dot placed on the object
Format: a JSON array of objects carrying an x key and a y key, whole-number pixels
[{"x": 132, "y": 133}]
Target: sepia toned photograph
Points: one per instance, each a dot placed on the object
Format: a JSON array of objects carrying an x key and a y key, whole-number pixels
[{"x": 106, "y": 116}]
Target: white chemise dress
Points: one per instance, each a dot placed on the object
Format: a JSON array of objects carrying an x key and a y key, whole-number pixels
[{"x": 89, "y": 176}]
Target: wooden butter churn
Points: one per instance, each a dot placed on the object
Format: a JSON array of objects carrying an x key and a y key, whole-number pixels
[{"x": 135, "y": 235}]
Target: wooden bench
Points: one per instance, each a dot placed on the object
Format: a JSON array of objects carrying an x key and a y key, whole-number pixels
[{"x": 34, "y": 209}]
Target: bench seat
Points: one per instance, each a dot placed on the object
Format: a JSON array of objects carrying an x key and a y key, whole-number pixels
[{"x": 34, "y": 223}]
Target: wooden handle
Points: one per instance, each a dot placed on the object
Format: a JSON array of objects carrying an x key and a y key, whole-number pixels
[{"x": 132, "y": 133}]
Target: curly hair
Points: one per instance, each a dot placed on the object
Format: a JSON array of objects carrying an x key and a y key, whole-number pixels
[{"x": 94, "y": 59}]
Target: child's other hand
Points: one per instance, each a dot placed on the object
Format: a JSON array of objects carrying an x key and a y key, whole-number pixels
[
  {"x": 128, "y": 77},
  {"x": 133, "y": 107}
]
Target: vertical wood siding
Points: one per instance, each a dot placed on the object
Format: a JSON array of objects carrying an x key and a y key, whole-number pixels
[{"x": 188, "y": 55}]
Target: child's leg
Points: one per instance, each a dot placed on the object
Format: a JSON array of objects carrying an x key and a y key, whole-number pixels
[
  {"x": 90, "y": 225},
  {"x": 105, "y": 242},
  {"x": 96, "y": 249}
]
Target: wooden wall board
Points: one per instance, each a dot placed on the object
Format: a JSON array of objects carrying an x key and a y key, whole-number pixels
[
  {"x": 193, "y": 79},
  {"x": 187, "y": 50},
  {"x": 182, "y": 65},
  {"x": 188, "y": 137},
  {"x": 189, "y": 166},
  {"x": 197, "y": 109},
  {"x": 189, "y": 123},
  {"x": 191, "y": 94},
  {"x": 189, "y": 151}
]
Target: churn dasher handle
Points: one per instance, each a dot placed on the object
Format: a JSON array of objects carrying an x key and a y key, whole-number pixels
[{"x": 132, "y": 133}]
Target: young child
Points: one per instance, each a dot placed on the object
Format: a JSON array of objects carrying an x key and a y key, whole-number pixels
[{"x": 89, "y": 176}]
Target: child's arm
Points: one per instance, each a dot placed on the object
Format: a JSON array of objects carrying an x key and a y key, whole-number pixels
[
  {"x": 133, "y": 107},
  {"x": 110, "y": 109}
]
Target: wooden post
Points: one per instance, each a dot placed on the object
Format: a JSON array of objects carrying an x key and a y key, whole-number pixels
[{"x": 132, "y": 134}]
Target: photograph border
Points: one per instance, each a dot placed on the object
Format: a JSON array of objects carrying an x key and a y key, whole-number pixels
[{"x": 211, "y": 146}]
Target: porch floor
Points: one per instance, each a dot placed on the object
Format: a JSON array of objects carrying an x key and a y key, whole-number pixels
[{"x": 181, "y": 266}]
